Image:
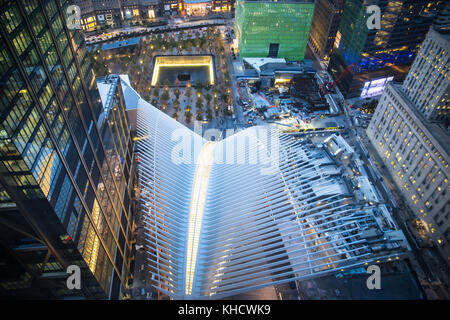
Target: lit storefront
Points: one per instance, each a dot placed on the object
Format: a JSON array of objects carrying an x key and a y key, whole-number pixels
[{"x": 197, "y": 7}]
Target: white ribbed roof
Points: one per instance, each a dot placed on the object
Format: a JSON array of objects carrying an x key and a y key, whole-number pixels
[{"x": 249, "y": 211}]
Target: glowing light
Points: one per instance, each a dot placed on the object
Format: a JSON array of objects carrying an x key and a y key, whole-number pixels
[
  {"x": 183, "y": 61},
  {"x": 198, "y": 199}
]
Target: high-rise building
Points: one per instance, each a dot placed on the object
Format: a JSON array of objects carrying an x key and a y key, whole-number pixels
[
  {"x": 324, "y": 26},
  {"x": 65, "y": 162},
  {"x": 409, "y": 130},
  {"x": 427, "y": 84},
  {"x": 381, "y": 54},
  {"x": 276, "y": 29},
  {"x": 442, "y": 21}
]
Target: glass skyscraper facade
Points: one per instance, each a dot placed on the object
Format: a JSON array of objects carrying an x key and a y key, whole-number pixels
[
  {"x": 379, "y": 53},
  {"x": 325, "y": 23},
  {"x": 278, "y": 29},
  {"x": 65, "y": 164}
]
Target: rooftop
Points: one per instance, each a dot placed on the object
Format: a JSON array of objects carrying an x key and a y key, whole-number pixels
[{"x": 120, "y": 44}]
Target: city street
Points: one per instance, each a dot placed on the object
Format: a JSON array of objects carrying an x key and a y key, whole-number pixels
[{"x": 428, "y": 271}]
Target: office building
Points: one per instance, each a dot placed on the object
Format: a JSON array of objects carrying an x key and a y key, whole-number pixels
[
  {"x": 427, "y": 84},
  {"x": 88, "y": 17},
  {"x": 96, "y": 13},
  {"x": 104, "y": 12},
  {"x": 65, "y": 162},
  {"x": 276, "y": 29},
  {"x": 324, "y": 26},
  {"x": 141, "y": 9},
  {"x": 409, "y": 130},
  {"x": 172, "y": 7},
  {"x": 442, "y": 21},
  {"x": 381, "y": 55},
  {"x": 222, "y": 5}
]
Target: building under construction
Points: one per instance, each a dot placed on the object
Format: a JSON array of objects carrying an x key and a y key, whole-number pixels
[
  {"x": 276, "y": 29},
  {"x": 305, "y": 87}
]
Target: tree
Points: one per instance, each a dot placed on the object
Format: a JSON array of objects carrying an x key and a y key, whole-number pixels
[
  {"x": 188, "y": 116},
  {"x": 199, "y": 103},
  {"x": 198, "y": 86},
  {"x": 209, "y": 114},
  {"x": 180, "y": 35},
  {"x": 215, "y": 92},
  {"x": 156, "y": 91},
  {"x": 224, "y": 97},
  {"x": 216, "y": 110},
  {"x": 166, "y": 84},
  {"x": 165, "y": 96},
  {"x": 208, "y": 98},
  {"x": 197, "y": 44},
  {"x": 199, "y": 115},
  {"x": 188, "y": 45},
  {"x": 188, "y": 91},
  {"x": 177, "y": 93},
  {"x": 172, "y": 42},
  {"x": 176, "y": 105},
  {"x": 205, "y": 45}
]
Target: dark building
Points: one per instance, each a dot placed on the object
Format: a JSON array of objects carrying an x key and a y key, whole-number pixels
[
  {"x": 141, "y": 9},
  {"x": 172, "y": 7},
  {"x": 380, "y": 55},
  {"x": 324, "y": 26},
  {"x": 106, "y": 12},
  {"x": 65, "y": 162},
  {"x": 442, "y": 21}
]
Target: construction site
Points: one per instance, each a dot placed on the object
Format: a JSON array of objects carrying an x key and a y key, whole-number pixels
[{"x": 294, "y": 95}]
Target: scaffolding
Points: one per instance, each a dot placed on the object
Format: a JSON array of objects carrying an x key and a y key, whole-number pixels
[{"x": 284, "y": 24}]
